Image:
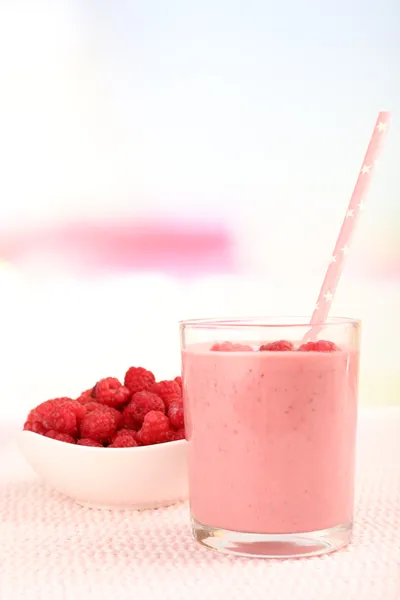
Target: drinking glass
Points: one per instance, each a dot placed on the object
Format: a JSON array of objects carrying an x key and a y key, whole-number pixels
[{"x": 271, "y": 433}]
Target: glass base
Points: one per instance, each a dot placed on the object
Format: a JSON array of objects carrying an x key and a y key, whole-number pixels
[{"x": 263, "y": 545}]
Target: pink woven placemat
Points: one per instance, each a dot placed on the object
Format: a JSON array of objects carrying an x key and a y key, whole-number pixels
[{"x": 52, "y": 549}]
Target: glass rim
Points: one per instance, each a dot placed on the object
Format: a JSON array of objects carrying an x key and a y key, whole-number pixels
[{"x": 267, "y": 322}]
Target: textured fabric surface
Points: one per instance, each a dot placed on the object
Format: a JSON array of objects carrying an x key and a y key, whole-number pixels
[{"x": 51, "y": 548}]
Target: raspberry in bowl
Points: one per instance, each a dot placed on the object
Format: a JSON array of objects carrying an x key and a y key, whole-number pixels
[{"x": 117, "y": 446}]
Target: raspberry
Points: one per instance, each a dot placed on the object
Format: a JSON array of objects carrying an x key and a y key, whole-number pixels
[
  {"x": 175, "y": 415},
  {"x": 177, "y": 435},
  {"x": 124, "y": 432},
  {"x": 178, "y": 380},
  {"x": 91, "y": 406},
  {"x": 62, "y": 419},
  {"x": 88, "y": 442},
  {"x": 51, "y": 433},
  {"x": 139, "y": 406},
  {"x": 42, "y": 411},
  {"x": 138, "y": 379},
  {"x": 77, "y": 408},
  {"x": 100, "y": 424},
  {"x": 64, "y": 437},
  {"x": 281, "y": 346},
  {"x": 167, "y": 390},
  {"x": 35, "y": 427},
  {"x": 111, "y": 392},
  {"x": 60, "y": 414},
  {"x": 319, "y": 346},
  {"x": 85, "y": 397},
  {"x": 123, "y": 441},
  {"x": 155, "y": 429},
  {"x": 230, "y": 347}
]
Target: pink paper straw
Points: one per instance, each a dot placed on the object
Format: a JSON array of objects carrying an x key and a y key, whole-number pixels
[{"x": 356, "y": 206}]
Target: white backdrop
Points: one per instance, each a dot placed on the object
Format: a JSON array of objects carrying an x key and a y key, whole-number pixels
[{"x": 253, "y": 113}]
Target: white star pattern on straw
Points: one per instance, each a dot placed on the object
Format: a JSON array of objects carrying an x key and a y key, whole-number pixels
[
  {"x": 361, "y": 206},
  {"x": 342, "y": 246}
]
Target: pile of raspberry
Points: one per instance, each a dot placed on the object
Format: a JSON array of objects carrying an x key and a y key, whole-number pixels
[{"x": 140, "y": 412}]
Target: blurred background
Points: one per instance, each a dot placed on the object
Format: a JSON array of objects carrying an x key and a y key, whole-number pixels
[{"x": 164, "y": 160}]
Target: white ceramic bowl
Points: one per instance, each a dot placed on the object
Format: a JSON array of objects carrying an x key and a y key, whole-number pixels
[{"x": 142, "y": 477}]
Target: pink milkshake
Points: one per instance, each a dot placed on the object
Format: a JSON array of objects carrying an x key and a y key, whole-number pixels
[{"x": 271, "y": 440}]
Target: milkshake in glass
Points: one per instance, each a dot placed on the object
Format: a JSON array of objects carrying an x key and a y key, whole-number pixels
[{"x": 271, "y": 429}]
